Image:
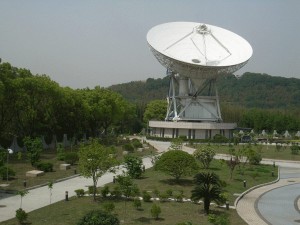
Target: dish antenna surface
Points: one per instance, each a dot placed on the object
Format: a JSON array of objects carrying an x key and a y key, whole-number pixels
[{"x": 195, "y": 54}]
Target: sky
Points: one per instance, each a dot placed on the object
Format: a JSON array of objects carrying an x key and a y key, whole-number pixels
[{"x": 84, "y": 43}]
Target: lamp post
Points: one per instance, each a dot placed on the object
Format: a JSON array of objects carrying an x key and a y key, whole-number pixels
[{"x": 9, "y": 151}]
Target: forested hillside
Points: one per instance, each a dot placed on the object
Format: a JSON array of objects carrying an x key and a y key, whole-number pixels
[
  {"x": 143, "y": 91},
  {"x": 252, "y": 90},
  {"x": 260, "y": 91}
]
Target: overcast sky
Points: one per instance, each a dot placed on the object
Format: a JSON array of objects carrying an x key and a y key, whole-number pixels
[{"x": 84, "y": 43}]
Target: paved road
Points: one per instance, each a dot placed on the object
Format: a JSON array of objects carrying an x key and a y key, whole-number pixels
[
  {"x": 267, "y": 204},
  {"x": 280, "y": 206}
]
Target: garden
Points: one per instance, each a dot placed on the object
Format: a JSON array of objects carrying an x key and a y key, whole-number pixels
[{"x": 167, "y": 193}]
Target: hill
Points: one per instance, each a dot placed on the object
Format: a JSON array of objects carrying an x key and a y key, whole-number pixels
[{"x": 250, "y": 90}]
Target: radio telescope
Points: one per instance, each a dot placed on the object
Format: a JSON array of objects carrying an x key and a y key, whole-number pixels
[{"x": 195, "y": 55}]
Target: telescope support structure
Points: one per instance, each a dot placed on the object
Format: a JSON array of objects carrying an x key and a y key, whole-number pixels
[{"x": 191, "y": 99}]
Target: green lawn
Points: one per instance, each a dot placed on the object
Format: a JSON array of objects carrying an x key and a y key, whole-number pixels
[
  {"x": 254, "y": 175},
  {"x": 68, "y": 213}
]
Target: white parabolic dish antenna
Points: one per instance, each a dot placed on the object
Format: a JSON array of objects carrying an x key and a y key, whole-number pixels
[
  {"x": 195, "y": 49},
  {"x": 195, "y": 55}
]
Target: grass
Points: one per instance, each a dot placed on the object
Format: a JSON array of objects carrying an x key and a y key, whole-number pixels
[
  {"x": 21, "y": 166},
  {"x": 153, "y": 181},
  {"x": 68, "y": 213}
]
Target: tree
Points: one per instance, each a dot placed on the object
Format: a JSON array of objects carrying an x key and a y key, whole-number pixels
[
  {"x": 176, "y": 163},
  {"x": 94, "y": 161},
  {"x": 176, "y": 144},
  {"x": 209, "y": 188},
  {"x": 50, "y": 187},
  {"x": 34, "y": 148},
  {"x": 235, "y": 159},
  {"x": 205, "y": 154},
  {"x": 155, "y": 211},
  {"x": 22, "y": 194},
  {"x": 252, "y": 156},
  {"x": 99, "y": 217},
  {"x": 155, "y": 110},
  {"x": 134, "y": 166},
  {"x": 127, "y": 187},
  {"x": 105, "y": 108},
  {"x": 36, "y": 96}
]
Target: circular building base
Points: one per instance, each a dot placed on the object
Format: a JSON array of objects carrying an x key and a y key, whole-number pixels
[{"x": 191, "y": 130}]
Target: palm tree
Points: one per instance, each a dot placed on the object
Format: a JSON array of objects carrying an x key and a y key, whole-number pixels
[{"x": 208, "y": 187}]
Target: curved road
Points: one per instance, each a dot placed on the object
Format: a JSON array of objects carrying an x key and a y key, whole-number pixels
[{"x": 280, "y": 205}]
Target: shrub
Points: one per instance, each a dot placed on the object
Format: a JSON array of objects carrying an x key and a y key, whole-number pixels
[
  {"x": 146, "y": 196},
  {"x": 218, "y": 138},
  {"x": 155, "y": 211},
  {"x": 205, "y": 154},
  {"x": 61, "y": 156},
  {"x": 295, "y": 149},
  {"x": 177, "y": 164},
  {"x": 71, "y": 158},
  {"x": 99, "y": 217},
  {"x": 79, "y": 192},
  {"x": 179, "y": 196},
  {"x": 128, "y": 147},
  {"x": 108, "y": 207},
  {"x": 136, "y": 143},
  {"x": 117, "y": 192},
  {"x": 60, "y": 152},
  {"x": 255, "y": 158},
  {"x": 91, "y": 190},
  {"x": 45, "y": 166},
  {"x": 134, "y": 166},
  {"x": 169, "y": 193},
  {"x": 218, "y": 220},
  {"x": 3, "y": 172},
  {"x": 105, "y": 191},
  {"x": 21, "y": 216},
  {"x": 156, "y": 193},
  {"x": 137, "y": 203},
  {"x": 163, "y": 197}
]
